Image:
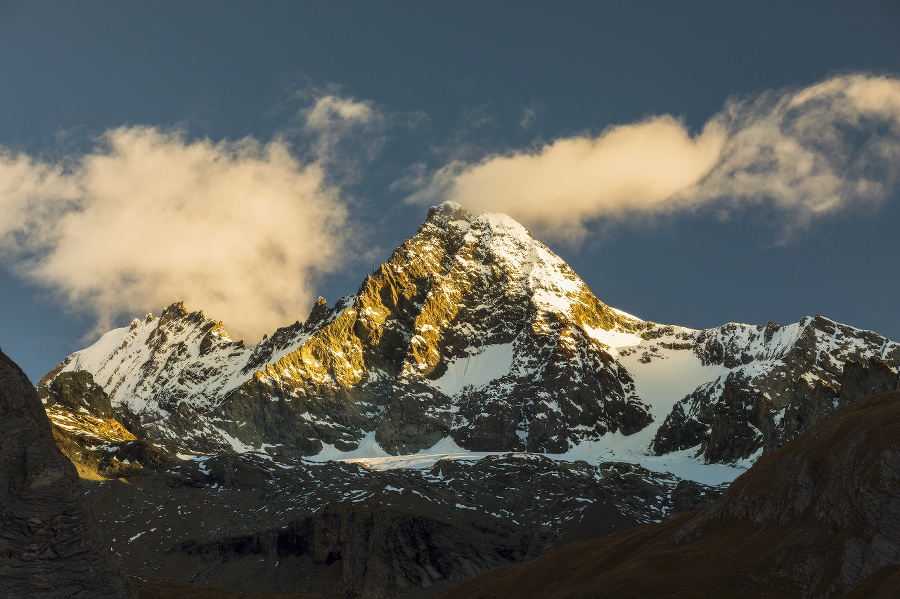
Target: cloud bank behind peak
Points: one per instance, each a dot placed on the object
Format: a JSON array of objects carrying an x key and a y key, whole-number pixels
[
  {"x": 807, "y": 152},
  {"x": 242, "y": 229}
]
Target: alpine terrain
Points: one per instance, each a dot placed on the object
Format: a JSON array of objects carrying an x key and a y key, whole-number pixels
[
  {"x": 817, "y": 518},
  {"x": 473, "y": 404}
]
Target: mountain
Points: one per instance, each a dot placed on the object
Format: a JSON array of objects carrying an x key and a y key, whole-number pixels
[
  {"x": 817, "y": 518},
  {"x": 50, "y": 546},
  {"x": 472, "y": 331},
  {"x": 472, "y": 405},
  {"x": 465, "y": 330}
]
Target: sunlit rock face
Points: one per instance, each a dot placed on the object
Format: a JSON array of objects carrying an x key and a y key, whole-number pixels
[
  {"x": 468, "y": 331},
  {"x": 476, "y": 332},
  {"x": 49, "y": 546}
]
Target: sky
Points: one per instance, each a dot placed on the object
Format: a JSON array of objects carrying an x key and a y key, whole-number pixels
[{"x": 696, "y": 163}]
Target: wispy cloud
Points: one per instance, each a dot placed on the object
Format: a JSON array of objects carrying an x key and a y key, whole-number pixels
[
  {"x": 807, "y": 152},
  {"x": 330, "y": 109},
  {"x": 529, "y": 115},
  {"x": 343, "y": 132},
  {"x": 242, "y": 229}
]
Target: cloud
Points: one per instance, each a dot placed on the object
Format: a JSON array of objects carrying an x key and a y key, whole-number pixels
[
  {"x": 241, "y": 229},
  {"x": 329, "y": 110},
  {"x": 530, "y": 115},
  {"x": 807, "y": 152},
  {"x": 810, "y": 152},
  {"x": 340, "y": 132}
]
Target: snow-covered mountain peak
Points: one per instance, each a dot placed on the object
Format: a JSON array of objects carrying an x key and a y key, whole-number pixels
[
  {"x": 155, "y": 363},
  {"x": 475, "y": 332},
  {"x": 505, "y": 254}
]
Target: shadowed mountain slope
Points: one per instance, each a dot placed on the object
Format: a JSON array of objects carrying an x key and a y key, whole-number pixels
[
  {"x": 49, "y": 545},
  {"x": 153, "y": 589},
  {"x": 820, "y": 517}
]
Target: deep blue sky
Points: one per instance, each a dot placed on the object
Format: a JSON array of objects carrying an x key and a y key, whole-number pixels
[{"x": 468, "y": 70}]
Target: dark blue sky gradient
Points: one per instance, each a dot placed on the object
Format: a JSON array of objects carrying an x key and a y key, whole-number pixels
[{"x": 229, "y": 69}]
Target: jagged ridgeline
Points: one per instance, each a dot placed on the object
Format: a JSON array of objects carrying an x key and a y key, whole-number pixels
[{"x": 473, "y": 332}]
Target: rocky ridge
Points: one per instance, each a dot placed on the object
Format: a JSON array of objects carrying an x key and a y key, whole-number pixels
[{"x": 339, "y": 529}]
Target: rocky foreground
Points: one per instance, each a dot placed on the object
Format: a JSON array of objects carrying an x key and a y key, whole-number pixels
[{"x": 342, "y": 530}]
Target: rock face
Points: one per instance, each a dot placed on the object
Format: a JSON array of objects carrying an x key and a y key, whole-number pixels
[
  {"x": 778, "y": 389},
  {"x": 465, "y": 332},
  {"x": 472, "y": 331},
  {"x": 245, "y": 521},
  {"x": 49, "y": 545},
  {"x": 819, "y": 517}
]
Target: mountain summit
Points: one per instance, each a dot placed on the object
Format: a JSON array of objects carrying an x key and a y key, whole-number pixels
[{"x": 476, "y": 335}]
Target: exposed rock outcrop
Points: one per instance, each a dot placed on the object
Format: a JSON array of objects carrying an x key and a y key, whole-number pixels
[
  {"x": 49, "y": 545},
  {"x": 744, "y": 416}
]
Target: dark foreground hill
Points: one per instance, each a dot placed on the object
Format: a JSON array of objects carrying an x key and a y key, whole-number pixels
[
  {"x": 820, "y": 517},
  {"x": 247, "y": 522},
  {"x": 155, "y": 589},
  {"x": 49, "y": 544}
]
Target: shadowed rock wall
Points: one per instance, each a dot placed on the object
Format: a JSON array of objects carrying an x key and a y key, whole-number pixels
[{"x": 49, "y": 545}]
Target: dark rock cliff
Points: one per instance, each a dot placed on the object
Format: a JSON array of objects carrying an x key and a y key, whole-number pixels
[
  {"x": 739, "y": 419},
  {"x": 49, "y": 545},
  {"x": 341, "y": 530}
]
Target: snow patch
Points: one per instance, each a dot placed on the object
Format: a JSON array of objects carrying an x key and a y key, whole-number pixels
[
  {"x": 95, "y": 356},
  {"x": 368, "y": 448},
  {"x": 476, "y": 371},
  {"x": 614, "y": 339},
  {"x": 682, "y": 464}
]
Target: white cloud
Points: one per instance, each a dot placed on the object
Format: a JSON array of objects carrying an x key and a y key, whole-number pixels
[
  {"x": 241, "y": 229},
  {"x": 330, "y": 110},
  {"x": 556, "y": 188},
  {"x": 340, "y": 132},
  {"x": 808, "y": 152}
]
